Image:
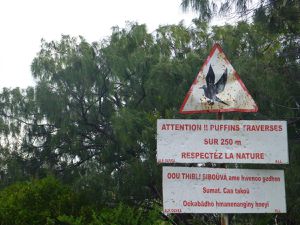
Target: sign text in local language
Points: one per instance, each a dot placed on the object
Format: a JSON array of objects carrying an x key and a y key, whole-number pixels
[
  {"x": 213, "y": 190},
  {"x": 221, "y": 141}
]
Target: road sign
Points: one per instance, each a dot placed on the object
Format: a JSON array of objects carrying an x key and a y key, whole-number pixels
[
  {"x": 217, "y": 88},
  {"x": 213, "y": 190},
  {"x": 221, "y": 141}
]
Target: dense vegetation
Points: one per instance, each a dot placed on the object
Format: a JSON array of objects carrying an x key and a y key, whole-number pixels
[{"x": 80, "y": 147}]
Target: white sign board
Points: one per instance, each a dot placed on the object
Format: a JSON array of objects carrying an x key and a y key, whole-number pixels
[
  {"x": 221, "y": 141},
  {"x": 217, "y": 88},
  {"x": 212, "y": 190}
]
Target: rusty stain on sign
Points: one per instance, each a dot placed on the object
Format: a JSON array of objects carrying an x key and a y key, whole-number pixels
[{"x": 217, "y": 88}]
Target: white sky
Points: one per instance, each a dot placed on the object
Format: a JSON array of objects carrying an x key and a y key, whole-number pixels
[{"x": 23, "y": 23}]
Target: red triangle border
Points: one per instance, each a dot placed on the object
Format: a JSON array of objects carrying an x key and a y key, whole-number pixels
[{"x": 216, "y": 46}]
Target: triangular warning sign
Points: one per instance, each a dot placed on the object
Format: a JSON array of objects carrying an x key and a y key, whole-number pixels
[{"x": 217, "y": 88}]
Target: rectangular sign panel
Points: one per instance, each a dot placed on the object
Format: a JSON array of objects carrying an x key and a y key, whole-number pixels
[
  {"x": 212, "y": 190},
  {"x": 221, "y": 141}
]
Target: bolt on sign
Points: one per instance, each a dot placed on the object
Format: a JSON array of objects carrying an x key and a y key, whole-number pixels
[
  {"x": 213, "y": 190},
  {"x": 221, "y": 141},
  {"x": 217, "y": 88}
]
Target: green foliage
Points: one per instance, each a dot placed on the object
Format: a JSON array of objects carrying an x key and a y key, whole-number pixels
[
  {"x": 47, "y": 201},
  {"x": 91, "y": 119},
  {"x": 120, "y": 215},
  {"x": 36, "y": 202},
  {"x": 281, "y": 16},
  {"x": 123, "y": 215},
  {"x": 204, "y": 7}
]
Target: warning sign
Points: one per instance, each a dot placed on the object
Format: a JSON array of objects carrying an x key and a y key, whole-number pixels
[
  {"x": 217, "y": 88},
  {"x": 222, "y": 141},
  {"x": 213, "y": 190}
]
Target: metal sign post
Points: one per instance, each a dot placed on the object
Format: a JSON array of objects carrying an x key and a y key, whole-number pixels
[{"x": 224, "y": 217}]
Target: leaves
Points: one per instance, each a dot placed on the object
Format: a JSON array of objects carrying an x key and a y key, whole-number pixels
[{"x": 91, "y": 119}]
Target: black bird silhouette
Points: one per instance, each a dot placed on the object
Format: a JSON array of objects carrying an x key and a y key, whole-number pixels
[{"x": 211, "y": 89}]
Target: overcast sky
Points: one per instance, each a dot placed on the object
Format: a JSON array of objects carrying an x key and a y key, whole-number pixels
[{"x": 23, "y": 23}]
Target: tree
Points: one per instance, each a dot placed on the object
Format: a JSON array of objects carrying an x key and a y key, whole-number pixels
[
  {"x": 279, "y": 16},
  {"x": 36, "y": 202},
  {"x": 91, "y": 119},
  {"x": 47, "y": 201}
]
